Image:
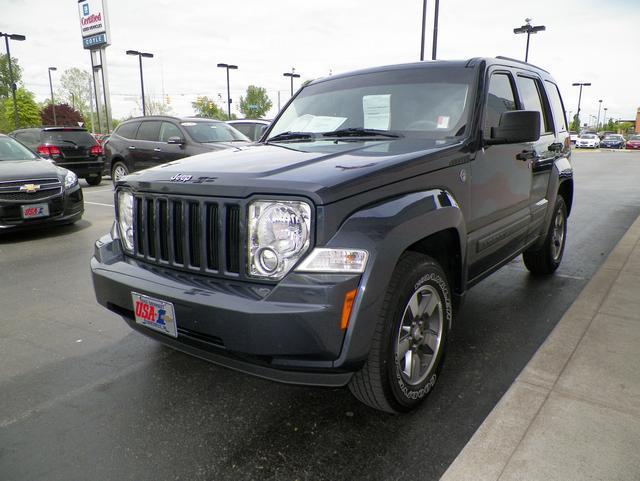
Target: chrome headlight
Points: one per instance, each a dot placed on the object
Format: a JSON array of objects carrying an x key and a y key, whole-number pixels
[
  {"x": 125, "y": 218},
  {"x": 70, "y": 180},
  {"x": 279, "y": 235}
]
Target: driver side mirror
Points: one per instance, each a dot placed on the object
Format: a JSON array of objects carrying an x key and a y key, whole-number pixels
[
  {"x": 176, "y": 140},
  {"x": 516, "y": 126}
]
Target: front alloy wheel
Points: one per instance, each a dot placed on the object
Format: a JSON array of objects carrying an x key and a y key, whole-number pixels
[{"x": 409, "y": 342}]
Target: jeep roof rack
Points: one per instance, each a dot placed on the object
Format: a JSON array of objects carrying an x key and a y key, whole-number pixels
[{"x": 520, "y": 61}]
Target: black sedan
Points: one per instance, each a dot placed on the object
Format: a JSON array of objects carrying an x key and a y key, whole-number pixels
[
  {"x": 33, "y": 191},
  {"x": 613, "y": 141}
]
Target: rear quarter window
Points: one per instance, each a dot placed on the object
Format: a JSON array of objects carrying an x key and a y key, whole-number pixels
[
  {"x": 557, "y": 106},
  {"x": 128, "y": 130}
]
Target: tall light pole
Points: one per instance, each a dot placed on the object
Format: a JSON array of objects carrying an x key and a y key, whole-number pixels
[
  {"x": 604, "y": 119},
  {"x": 228, "y": 67},
  {"x": 292, "y": 75},
  {"x": 424, "y": 26},
  {"x": 140, "y": 55},
  {"x": 434, "y": 47},
  {"x": 599, "y": 107},
  {"x": 20, "y": 38},
  {"x": 53, "y": 105},
  {"x": 528, "y": 29},
  {"x": 580, "y": 84}
]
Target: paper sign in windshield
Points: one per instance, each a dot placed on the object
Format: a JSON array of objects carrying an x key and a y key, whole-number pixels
[
  {"x": 443, "y": 122},
  {"x": 316, "y": 123},
  {"x": 376, "y": 110}
]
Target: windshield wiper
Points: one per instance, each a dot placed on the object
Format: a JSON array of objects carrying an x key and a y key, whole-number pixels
[
  {"x": 70, "y": 141},
  {"x": 361, "y": 132},
  {"x": 292, "y": 136}
]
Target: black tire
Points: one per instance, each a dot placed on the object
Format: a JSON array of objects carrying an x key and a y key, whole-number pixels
[
  {"x": 546, "y": 259},
  {"x": 118, "y": 170},
  {"x": 94, "y": 180},
  {"x": 383, "y": 382}
]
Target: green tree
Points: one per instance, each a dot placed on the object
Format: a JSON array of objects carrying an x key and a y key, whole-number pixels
[
  {"x": 75, "y": 90},
  {"x": 206, "y": 107},
  {"x": 256, "y": 104},
  {"x": 28, "y": 111},
  {"x": 5, "y": 83},
  {"x": 575, "y": 124},
  {"x": 154, "y": 107},
  {"x": 625, "y": 127}
]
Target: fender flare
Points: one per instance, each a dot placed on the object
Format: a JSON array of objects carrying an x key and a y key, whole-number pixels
[{"x": 386, "y": 230}]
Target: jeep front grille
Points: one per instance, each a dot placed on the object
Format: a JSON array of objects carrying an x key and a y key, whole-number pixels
[{"x": 190, "y": 233}]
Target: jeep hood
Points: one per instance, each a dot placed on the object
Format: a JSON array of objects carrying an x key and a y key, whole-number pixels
[{"x": 325, "y": 171}]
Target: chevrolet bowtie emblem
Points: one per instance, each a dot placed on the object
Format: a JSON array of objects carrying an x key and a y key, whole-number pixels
[{"x": 30, "y": 188}]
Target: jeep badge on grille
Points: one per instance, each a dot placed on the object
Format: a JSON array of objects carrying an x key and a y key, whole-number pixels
[{"x": 180, "y": 178}]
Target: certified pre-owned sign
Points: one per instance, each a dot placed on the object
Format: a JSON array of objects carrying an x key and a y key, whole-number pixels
[{"x": 93, "y": 19}]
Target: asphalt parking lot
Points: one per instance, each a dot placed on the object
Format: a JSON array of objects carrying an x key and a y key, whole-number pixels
[{"x": 84, "y": 397}]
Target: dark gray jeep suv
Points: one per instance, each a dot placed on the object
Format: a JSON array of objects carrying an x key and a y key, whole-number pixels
[{"x": 333, "y": 252}]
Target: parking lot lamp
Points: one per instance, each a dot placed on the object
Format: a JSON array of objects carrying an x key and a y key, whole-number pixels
[
  {"x": 228, "y": 67},
  {"x": 580, "y": 84},
  {"x": 140, "y": 55},
  {"x": 20, "y": 38},
  {"x": 53, "y": 105},
  {"x": 528, "y": 29},
  {"x": 292, "y": 75},
  {"x": 599, "y": 107}
]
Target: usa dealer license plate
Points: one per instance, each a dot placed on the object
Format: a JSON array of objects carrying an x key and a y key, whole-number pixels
[
  {"x": 155, "y": 314},
  {"x": 34, "y": 211}
]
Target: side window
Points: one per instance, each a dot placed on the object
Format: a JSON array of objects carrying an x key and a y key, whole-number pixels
[
  {"x": 531, "y": 98},
  {"x": 128, "y": 130},
  {"x": 500, "y": 98},
  {"x": 169, "y": 130},
  {"x": 557, "y": 106},
  {"x": 149, "y": 130}
]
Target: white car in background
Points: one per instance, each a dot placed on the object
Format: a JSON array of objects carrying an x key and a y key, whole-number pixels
[
  {"x": 588, "y": 141},
  {"x": 573, "y": 136}
]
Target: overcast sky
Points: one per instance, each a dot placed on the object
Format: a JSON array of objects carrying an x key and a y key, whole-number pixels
[{"x": 585, "y": 41}]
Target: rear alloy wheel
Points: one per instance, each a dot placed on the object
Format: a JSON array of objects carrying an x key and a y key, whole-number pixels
[
  {"x": 118, "y": 171},
  {"x": 409, "y": 342},
  {"x": 94, "y": 180},
  {"x": 547, "y": 258}
]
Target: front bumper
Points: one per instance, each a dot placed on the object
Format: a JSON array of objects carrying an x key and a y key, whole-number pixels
[
  {"x": 64, "y": 208},
  {"x": 289, "y": 332}
]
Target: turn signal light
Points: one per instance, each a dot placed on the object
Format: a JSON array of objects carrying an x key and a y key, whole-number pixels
[{"x": 347, "y": 305}]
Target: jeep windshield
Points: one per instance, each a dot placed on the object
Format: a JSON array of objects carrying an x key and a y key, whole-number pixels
[
  {"x": 205, "y": 132},
  {"x": 421, "y": 102}
]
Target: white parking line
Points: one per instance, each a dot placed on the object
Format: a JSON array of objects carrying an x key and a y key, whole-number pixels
[{"x": 98, "y": 203}]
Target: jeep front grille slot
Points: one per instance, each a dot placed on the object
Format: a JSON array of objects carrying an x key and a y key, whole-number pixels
[
  {"x": 189, "y": 233},
  {"x": 233, "y": 238}
]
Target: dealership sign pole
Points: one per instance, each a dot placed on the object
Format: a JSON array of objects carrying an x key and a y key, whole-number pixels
[{"x": 94, "y": 27}]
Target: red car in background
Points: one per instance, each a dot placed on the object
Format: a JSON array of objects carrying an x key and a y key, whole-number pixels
[{"x": 633, "y": 142}]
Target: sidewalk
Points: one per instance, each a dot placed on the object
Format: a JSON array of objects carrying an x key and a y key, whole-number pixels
[{"x": 573, "y": 413}]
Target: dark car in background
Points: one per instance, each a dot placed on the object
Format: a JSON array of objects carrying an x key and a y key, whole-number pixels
[
  {"x": 633, "y": 143},
  {"x": 145, "y": 142},
  {"x": 70, "y": 147},
  {"x": 612, "y": 141},
  {"x": 252, "y": 128},
  {"x": 34, "y": 191}
]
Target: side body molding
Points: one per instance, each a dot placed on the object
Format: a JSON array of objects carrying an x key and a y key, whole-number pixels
[{"x": 386, "y": 230}]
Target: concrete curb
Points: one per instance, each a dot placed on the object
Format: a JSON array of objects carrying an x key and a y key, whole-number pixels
[{"x": 528, "y": 435}]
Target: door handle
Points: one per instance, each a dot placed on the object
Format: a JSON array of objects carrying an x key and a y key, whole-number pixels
[
  {"x": 556, "y": 147},
  {"x": 526, "y": 155},
  {"x": 157, "y": 149},
  {"x": 131, "y": 147}
]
